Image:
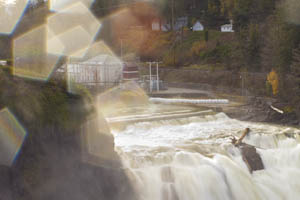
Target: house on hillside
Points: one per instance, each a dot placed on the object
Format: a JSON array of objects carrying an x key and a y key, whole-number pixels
[
  {"x": 166, "y": 27},
  {"x": 160, "y": 25},
  {"x": 3, "y": 62},
  {"x": 156, "y": 25},
  {"x": 198, "y": 26},
  {"x": 180, "y": 23},
  {"x": 227, "y": 27}
]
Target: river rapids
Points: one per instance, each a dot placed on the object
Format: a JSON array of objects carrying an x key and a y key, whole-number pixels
[{"x": 192, "y": 158}]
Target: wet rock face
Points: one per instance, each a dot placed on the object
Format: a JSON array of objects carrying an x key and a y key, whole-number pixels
[
  {"x": 259, "y": 110},
  {"x": 85, "y": 181},
  {"x": 61, "y": 173},
  {"x": 5, "y": 183},
  {"x": 98, "y": 143},
  {"x": 251, "y": 157},
  {"x": 56, "y": 165}
]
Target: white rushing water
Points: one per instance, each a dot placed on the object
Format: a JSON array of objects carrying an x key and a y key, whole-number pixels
[{"x": 192, "y": 158}]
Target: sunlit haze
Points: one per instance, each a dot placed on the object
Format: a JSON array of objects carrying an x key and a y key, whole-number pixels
[{"x": 149, "y": 99}]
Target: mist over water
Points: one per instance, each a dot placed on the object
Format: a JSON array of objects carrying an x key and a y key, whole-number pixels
[{"x": 192, "y": 158}]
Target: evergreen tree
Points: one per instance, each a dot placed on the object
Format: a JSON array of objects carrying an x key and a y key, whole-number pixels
[
  {"x": 279, "y": 42},
  {"x": 253, "y": 47},
  {"x": 213, "y": 14},
  {"x": 295, "y": 69}
]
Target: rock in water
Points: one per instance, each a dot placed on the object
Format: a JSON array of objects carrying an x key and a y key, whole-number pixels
[{"x": 251, "y": 157}]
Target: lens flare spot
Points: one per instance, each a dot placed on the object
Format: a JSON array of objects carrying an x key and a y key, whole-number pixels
[
  {"x": 75, "y": 27},
  {"x": 98, "y": 143},
  {"x": 58, "y": 5},
  {"x": 54, "y": 45},
  {"x": 97, "y": 48},
  {"x": 12, "y": 136},
  {"x": 126, "y": 95},
  {"x": 10, "y": 14},
  {"x": 30, "y": 56},
  {"x": 127, "y": 29},
  {"x": 73, "y": 40},
  {"x": 98, "y": 69}
]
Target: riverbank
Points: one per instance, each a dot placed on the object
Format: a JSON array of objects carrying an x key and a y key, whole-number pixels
[
  {"x": 259, "y": 109},
  {"x": 237, "y": 83},
  {"x": 244, "y": 108}
]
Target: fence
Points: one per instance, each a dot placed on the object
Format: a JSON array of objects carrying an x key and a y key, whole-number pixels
[{"x": 93, "y": 75}]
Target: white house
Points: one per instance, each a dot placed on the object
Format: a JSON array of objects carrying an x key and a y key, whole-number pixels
[
  {"x": 165, "y": 27},
  {"x": 3, "y": 62},
  {"x": 198, "y": 26},
  {"x": 180, "y": 22},
  {"x": 227, "y": 28},
  {"x": 155, "y": 25}
]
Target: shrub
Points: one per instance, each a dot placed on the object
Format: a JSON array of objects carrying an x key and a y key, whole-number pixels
[
  {"x": 197, "y": 47},
  {"x": 169, "y": 59},
  {"x": 268, "y": 88}
]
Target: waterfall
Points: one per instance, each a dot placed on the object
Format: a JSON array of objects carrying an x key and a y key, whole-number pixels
[{"x": 192, "y": 159}]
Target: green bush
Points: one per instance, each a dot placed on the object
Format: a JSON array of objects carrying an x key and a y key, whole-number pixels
[{"x": 170, "y": 60}]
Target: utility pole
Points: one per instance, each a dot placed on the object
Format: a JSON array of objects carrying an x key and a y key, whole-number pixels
[
  {"x": 174, "y": 54},
  {"x": 243, "y": 83},
  {"x": 157, "y": 76},
  {"x": 172, "y": 15},
  {"x": 150, "y": 78},
  {"x": 121, "y": 49}
]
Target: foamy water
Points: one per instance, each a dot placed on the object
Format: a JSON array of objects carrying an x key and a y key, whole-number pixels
[{"x": 192, "y": 158}]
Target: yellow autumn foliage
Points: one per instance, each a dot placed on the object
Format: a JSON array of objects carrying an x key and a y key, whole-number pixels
[
  {"x": 197, "y": 47},
  {"x": 272, "y": 78}
]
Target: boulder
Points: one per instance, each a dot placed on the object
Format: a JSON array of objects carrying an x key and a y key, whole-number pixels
[
  {"x": 251, "y": 157},
  {"x": 249, "y": 154}
]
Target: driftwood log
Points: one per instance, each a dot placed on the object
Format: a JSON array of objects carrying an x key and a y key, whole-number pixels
[{"x": 249, "y": 154}]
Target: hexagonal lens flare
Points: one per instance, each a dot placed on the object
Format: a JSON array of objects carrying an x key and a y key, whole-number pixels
[
  {"x": 10, "y": 14},
  {"x": 75, "y": 27},
  {"x": 58, "y": 5},
  {"x": 68, "y": 32},
  {"x": 97, "y": 48},
  {"x": 98, "y": 143},
  {"x": 12, "y": 136},
  {"x": 73, "y": 40},
  {"x": 54, "y": 45},
  {"x": 99, "y": 68},
  {"x": 31, "y": 59}
]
